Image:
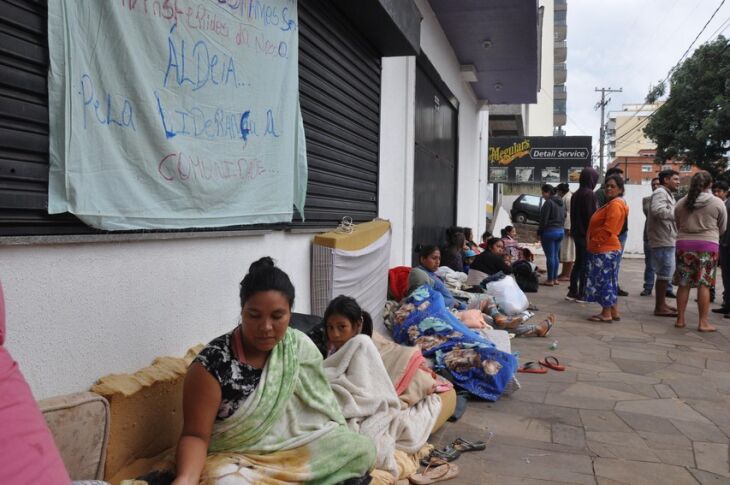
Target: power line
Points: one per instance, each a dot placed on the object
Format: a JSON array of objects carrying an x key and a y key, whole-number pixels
[
  {"x": 671, "y": 71},
  {"x": 676, "y": 65}
]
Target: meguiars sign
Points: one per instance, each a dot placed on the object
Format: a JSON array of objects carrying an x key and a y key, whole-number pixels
[{"x": 538, "y": 159}]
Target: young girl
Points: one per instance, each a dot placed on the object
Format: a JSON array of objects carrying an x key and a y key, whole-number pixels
[{"x": 344, "y": 319}]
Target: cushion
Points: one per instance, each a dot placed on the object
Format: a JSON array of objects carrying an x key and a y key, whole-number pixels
[
  {"x": 146, "y": 410},
  {"x": 448, "y": 406},
  {"x": 79, "y": 423}
]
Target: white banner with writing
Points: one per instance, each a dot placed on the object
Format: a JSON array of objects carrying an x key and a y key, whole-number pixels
[{"x": 175, "y": 113}]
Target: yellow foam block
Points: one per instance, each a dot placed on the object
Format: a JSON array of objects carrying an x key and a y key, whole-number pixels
[{"x": 362, "y": 236}]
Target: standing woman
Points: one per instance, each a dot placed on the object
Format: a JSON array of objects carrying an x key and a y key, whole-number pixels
[
  {"x": 567, "y": 247},
  {"x": 604, "y": 251},
  {"x": 701, "y": 219},
  {"x": 552, "y": 219}
]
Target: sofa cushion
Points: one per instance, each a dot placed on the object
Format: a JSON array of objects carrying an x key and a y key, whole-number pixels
[
  {"x": 79, "y": 423},
  {"x": 146, "y": 410}
]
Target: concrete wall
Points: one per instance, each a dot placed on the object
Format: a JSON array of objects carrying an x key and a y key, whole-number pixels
[
  {"x": 539, "y": 116},
  {"x": 633, "y": 196},
  {"x": 397, "y": 145},
  {"x": 78, "y": 311}
]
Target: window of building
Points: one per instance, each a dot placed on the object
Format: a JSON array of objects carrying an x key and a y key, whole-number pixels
[
  {"x": 646, "y": 168},
  {"x": 685, "y": 167}
]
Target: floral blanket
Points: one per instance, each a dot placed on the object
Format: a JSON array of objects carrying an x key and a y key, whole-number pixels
[{"x": 474, "y": 362}]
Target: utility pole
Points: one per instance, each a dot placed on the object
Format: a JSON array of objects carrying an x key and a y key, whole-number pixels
[{"x": 602, "y": 104}]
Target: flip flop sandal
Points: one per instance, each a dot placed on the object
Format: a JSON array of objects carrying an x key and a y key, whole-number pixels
[
  {"x": 443, "y": 472},
  {"x": 444, "y": 455},
  {"x": 616, "y": 318},
  {"x": 598, "y": 318},
  {"x": 552, "y": 363},
  {"x": 672, "y": 315},
  {"x": 464, "y": 445},
  {"x": 532, "y": 368}
]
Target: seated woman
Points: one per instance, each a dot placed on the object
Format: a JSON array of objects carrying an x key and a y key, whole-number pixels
[
  {"x": 365, "y": 391},
  {"x": 491, "y": 261},
  {"x": 257, "y": 406},
  {"x": 425, "y": 274}
]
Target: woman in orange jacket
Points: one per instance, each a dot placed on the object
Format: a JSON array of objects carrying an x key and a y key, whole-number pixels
[{"x": 604, "y": 251}]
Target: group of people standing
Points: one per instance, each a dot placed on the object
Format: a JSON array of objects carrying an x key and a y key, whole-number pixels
[{"x": 683, "y": 242}]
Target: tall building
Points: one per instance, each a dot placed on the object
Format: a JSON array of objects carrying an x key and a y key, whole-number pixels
[
  {"x": 630, "y": 149},
  {"x": 560, "y": 94}
]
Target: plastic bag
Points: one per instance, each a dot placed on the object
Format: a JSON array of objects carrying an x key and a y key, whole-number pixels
[{"x": 508, "y": 296}]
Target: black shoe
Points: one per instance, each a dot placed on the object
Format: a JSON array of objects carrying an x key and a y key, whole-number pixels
[
  {"x": 645, "y": 293},
  {"x": 622, "y": 292},
  {"x": 722, "y": 309},
  {"x": 670, "y": 294},
  {"x": 727, "y": 315}
]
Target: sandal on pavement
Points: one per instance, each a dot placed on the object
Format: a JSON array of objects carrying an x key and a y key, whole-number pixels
[
  {"x": 444, "y": 471},
  {"x": 463, "y": 445},
  {"x": 552, "y": 363},
  {"x": 599, "y": 318},
  {"x": 532, "y": 368},
  {"x": 443, "y": 455},
  {"x": 672, "y": 315}
]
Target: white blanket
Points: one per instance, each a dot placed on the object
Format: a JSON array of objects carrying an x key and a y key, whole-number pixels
[{"x": 371, "y": 406}]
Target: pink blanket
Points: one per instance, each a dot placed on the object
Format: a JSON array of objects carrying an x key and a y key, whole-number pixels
[{"x": 27, "y": 451}]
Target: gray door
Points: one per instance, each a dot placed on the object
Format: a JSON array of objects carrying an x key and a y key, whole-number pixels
[{"x": 435, "y": 161}]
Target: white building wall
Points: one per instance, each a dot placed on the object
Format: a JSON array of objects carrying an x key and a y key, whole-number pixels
[
  {"x": 79, "y": 311},
  {"x": 76, "y": 312},
  {"x": 397, "y": 153},
  {"x": 539, "y": 117}
]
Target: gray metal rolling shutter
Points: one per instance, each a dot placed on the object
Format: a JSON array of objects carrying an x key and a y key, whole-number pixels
[
  {"x": 339, "y": 89},
  {"x": 340, "y": 97}
]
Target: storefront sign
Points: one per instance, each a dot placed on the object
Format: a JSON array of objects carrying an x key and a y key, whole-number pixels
[{"x": 538, "y": 159}]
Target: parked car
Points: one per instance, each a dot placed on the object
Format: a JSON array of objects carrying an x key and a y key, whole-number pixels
[{"x": 526, "y": 208}]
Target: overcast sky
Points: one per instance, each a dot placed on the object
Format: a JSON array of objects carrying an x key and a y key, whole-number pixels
[{"x": 628, "y": 44}]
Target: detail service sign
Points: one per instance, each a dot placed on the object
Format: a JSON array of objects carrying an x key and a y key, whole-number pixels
[{"x": 538, "y": 159}]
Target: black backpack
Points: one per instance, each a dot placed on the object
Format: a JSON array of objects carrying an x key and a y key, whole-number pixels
[{"x": 525, "y": 277}]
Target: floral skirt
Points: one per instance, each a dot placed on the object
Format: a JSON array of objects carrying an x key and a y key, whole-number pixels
[
  {"x": 695, "y": 268},
  {"x": 602, "y": 278}
]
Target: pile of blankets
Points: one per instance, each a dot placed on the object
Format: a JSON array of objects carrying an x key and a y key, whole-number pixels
[{"x": 473, "y": 361}]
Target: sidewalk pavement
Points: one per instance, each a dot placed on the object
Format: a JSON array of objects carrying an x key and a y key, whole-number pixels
[{"x": 641, "y": 402}]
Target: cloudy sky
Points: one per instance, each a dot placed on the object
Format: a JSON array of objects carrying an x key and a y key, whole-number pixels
[{"x": 629, "y": 44}]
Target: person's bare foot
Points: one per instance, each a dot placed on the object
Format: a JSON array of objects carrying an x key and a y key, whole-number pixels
[
  {"x": 544, "y": 328},
  {"x": 706, "y": 327},
  {"x": 680, "y": 325}
]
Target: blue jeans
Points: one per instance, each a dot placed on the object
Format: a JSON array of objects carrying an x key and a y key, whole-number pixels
[
  {"x": 551, "y": 239},
  {"x": 649, "y": 270},
  {"x": 622, "y": 239},
  {"x": 663, "y": 262}
]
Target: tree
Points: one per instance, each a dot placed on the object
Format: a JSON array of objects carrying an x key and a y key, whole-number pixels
[{"x": 694, "y": 122}]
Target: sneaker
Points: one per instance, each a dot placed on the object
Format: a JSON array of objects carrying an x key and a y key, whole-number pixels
[
  {"x": 671, "y": 294},
  {"x": 645, "y": 293},
  {"x": 622, "y": 292},
  {"x": 571, "y": 297}
]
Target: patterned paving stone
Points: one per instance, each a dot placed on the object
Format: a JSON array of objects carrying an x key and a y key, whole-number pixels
[
  {"x": 641, "y": 473},
  {"x": 663, "y": 408},
  {"x": 712, "y": 457},
  {"x": 640, "y": 403}
]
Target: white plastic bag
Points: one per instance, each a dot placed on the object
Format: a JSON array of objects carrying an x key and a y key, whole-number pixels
[{"x": 508, "y": 296}]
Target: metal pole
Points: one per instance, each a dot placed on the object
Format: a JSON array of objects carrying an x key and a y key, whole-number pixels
[{"x": 602, "y": 104}]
